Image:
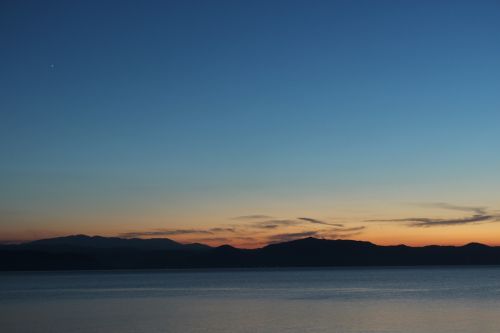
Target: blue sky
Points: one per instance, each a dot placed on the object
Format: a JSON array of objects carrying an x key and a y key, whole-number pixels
[{"x": 184, "y": 110}]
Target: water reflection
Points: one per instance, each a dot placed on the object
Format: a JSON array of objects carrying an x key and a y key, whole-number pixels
[{"x": 337, "y": 300}]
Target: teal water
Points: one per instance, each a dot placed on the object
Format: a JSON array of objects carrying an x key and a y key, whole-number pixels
[{"x": 367, "y": 300}]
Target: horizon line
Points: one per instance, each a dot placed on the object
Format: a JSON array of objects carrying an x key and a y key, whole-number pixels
[{"x": 21, "y": 242}]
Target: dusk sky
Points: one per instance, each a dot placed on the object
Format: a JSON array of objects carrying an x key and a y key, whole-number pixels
[{"x": 250, "y": 122}]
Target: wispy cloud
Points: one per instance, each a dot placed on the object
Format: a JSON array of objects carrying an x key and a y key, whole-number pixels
[
  {"x": 431, "y": 222},
  {"x": 273, "y": 224},
  {"x": 178, "y": 232},
  {"x": 349, "y": 229},
  {"x": 214, "y": 239},
  {"x": 481, "y": 215},
  {"x": 219, "y": 229},
  {"x": 444, "y": 205},
  {"x": 256, "y": 228},
  {"x": 291, "y": 236},
  {"x": 267, "y": 226},
  {"x": 342, "y": 233},
  {"x": 316, "y": 221},
  {"x": 252, "y": 217},
  {"x": 175, "y": 232}
]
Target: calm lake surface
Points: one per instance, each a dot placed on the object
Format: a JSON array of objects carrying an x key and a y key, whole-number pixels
[{"x": 367, "y": 300}]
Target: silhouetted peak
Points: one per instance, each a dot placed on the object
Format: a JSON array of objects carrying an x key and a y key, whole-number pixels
[
  {"x": 312, "y": 242},
  {"x": 78, "y": 236},
  {"x": 399, "y": 246},
  {"x": 225, "y": 247},
  {"x": 476, "y": 245},
  {"x": 198, "y": 246}
]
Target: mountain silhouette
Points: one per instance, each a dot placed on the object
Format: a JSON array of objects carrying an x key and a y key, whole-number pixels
[
  {"x": 98, "y": 242},
  {"x": 85, "y": 252}
]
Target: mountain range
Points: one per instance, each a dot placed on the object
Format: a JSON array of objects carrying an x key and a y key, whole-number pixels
[{"x": 86, "y": 252}]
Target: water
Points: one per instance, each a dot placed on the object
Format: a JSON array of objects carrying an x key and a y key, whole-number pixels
[{"x": 367, "y": 300}]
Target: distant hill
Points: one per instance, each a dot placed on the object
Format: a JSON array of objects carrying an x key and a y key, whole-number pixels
[
  {"x": 85, "y": 252},
  {"x": 98, "y": 242}
]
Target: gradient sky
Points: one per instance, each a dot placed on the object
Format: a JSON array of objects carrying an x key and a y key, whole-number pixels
[{"x": 186, "y": 119}]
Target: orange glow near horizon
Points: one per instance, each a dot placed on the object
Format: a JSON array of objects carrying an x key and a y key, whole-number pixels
[
  {"x": 377, "y": 234},
  {"x": 435, "y": 224}
]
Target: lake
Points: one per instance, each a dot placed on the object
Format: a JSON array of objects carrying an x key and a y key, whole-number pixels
[{"x": 367, "y": 300}]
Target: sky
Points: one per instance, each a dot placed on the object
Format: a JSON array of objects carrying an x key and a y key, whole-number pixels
[{"x": 251, "y": 122}]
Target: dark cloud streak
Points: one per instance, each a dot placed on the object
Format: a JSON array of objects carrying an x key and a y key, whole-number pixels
[
  {"x": 349, "y": 229},
  {"x": 426, "y": 222},
  {"x": 480, "y": 215},
  {"x": 273, "y": 224},
  {"x": 219, "y": 229},
  {"x": 315, "y": 221},
  {"x": 290, "y": 236},
  {"x": 444, "y": 205},
  {"x": 252, "y": 217}
]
